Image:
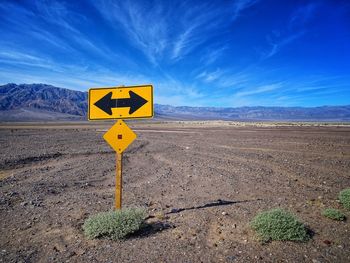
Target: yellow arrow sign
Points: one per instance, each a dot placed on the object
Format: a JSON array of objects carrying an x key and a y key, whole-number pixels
[
  {"x": 120, "y": 136},
  {"x": 121, "y": 102}
]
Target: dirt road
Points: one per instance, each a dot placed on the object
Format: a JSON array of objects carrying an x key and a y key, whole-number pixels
[{"x": 201, "y": 183}]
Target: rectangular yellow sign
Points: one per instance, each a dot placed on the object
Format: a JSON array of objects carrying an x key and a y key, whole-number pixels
[{"x": 120, "y": 102}]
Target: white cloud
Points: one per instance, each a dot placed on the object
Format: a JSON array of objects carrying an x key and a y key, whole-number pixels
[
  {"x": 296, "y": 30},
  {"x": 240, "y": 5},
  {"x": 212, "y": 54},
  {"x": 302, "y": 14},
  {"x": 259, "y": 90},
  {"x": 145, "y": 28},
  {"x": 170, "y": 32},
  {"x": 276, "y": 45},
  {"x": 210, "y": 76}
]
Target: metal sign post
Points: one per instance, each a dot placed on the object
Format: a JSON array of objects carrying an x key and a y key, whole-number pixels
[{"x": 119, "y": 137}]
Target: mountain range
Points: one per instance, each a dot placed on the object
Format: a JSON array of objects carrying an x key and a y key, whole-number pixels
[{"x": 42, "y": 102}]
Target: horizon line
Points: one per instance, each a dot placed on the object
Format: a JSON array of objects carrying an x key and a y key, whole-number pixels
[{"x": 216, "y": 107}]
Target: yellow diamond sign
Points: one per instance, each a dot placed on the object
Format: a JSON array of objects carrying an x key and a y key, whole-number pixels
[{"x": 120, "y": 136}]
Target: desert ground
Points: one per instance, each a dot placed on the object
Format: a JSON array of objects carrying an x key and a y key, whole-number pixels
[{"x": 201, "y": 183}]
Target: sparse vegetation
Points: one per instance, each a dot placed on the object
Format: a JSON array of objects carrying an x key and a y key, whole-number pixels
[
  {"x": 114, "y": 225},
  {"x": 278, "y": 224},
  {"x": 344, "y": 197},
  {"x": 334, "y": 214}
]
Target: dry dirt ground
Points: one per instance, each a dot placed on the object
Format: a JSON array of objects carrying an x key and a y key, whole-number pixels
[{"x": 201, "y": 183}]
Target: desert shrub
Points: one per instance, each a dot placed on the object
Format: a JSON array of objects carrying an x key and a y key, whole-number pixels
[
  {"x": 333, "y": 214},
  {"x": 344, "y": 197},
  {"x": 114, "y": 224},
  {"x": 278, "y": 224}
]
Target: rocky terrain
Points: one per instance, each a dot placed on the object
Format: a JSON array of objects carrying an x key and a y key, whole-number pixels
[{"x": 201, "y": 183}]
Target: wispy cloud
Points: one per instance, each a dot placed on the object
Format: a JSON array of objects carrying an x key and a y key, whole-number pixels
[
  {"x": 169, "y": 84},
  {"x": 212, "y": 54},
  {"x": 204, "y": 22},
  {"x": 277, "y": 44},
  {"x": 145, "y": 28},
  {"x": 194, "y": 52},
  {"x": 64, "y": 19},
  {"x": 19, "y": 59},
  {"x": 207, "y": 76},
  {"x": 57, "y": 13},
  {"x": 303, "y": 14},
  {"x": 32, "y": 27},
  {"x": 54, "y": 25},
  {"x": 172, "y": 31},
  {"x": 197, "y": 26},
  {"x": 259, "y": 90},
  {"x": 241, "y": 5},
  {"x": 17, "y": 56},
  {"x": 295, "y": 29},
  {"x": 63, "y": 44},
  {"x": 74, "y": 77},
  {"x": 185, "y": 41}
]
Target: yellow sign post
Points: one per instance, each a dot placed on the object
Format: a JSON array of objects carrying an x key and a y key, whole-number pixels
[
  {"x": 120, "y": 103},
  {"x": 119, "y": 137},
  {"x": 119, "y": 182}
]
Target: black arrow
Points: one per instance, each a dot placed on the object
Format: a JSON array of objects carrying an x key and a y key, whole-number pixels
[{"x": 106, "y": 103}]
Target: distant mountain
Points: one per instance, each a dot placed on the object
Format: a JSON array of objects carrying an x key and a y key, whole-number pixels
[
  {"x": 31, "y": 102},
  {"x": 41, "y": 102},
  {"x": 44, "y": 97},
  {"x": 324, "y": 113}
]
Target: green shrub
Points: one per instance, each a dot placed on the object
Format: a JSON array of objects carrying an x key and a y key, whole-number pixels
[
  {"x": 278, "y": 224},
  {"x": 333, "y": 214},
  {"x": 344, "y": 197},
  {"x": 114, "y": 224}
]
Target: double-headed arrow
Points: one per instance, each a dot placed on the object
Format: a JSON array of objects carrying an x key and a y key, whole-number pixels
[{"x": 106, "y": 103}]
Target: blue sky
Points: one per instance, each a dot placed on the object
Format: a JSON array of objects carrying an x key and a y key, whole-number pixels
[{"x": 197, "y": 53}]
